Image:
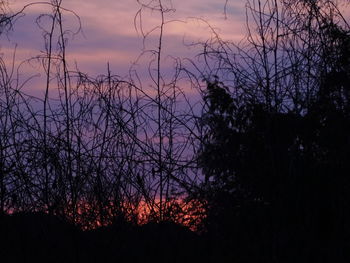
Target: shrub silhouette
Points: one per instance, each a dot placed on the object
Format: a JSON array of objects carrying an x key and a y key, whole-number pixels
[{"x": 38, "y": 237}]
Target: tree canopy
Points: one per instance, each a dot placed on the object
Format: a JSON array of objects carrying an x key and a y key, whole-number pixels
[{"x": 277, "y": 134}]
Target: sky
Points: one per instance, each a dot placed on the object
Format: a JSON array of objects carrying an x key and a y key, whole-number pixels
[
  {"x": 108, "y": 33},
  {"x": 111, "y": 31}
]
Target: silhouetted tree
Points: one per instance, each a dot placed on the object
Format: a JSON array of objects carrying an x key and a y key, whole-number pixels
[{"x": 276, "y": 148}]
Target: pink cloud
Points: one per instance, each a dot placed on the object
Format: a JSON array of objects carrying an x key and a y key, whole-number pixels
[
  {"x": 109, "y": 34},
  {"x": 115, "y": 19}
]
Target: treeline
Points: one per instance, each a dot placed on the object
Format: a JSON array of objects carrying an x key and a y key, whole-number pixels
[{"x": 259, "y": 168}]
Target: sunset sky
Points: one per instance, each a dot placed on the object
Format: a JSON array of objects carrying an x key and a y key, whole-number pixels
[{"x": 109, "y": 35}]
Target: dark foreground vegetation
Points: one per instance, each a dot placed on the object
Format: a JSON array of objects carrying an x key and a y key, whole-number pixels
[
  {"x": 105, "y": 169},
  {"x": 38, "y": 237}
]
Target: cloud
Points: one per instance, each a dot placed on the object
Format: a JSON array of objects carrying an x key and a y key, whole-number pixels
[{"x": 109, "y": 35}]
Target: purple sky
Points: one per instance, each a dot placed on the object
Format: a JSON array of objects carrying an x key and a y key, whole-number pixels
[{"x": 109, "y": 35}]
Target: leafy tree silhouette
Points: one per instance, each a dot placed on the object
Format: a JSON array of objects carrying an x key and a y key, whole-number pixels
[{"x": 276, "y": 177}]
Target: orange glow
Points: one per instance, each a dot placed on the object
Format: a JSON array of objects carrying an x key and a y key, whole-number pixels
[{"x": 91, "y": 216}]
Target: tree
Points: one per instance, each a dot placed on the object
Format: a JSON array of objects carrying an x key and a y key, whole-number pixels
[{"x": 277, "y": 132}]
